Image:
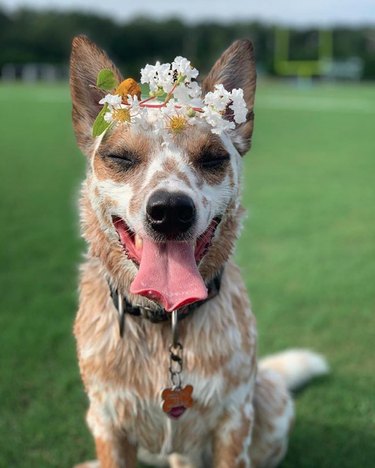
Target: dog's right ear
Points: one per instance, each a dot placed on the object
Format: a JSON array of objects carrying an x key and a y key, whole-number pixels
[
  {"x": 85, "y": 63},
  {"x": 236, "y": 69}
]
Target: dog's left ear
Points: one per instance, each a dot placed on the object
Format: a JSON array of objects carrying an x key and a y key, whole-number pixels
[
  {"x": 236, "y": 69},
  {"x": 85, "y": 63}
]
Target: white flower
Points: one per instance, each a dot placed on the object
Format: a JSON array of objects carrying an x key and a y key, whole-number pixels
[
  {"x": 195, "y": 91},
  {"x": 130, "y": 113},
  {"x": 149, "y": 75},
  {"x": 165, "y": 77},
  {"x": 113, "y": 100},
  {"x": 188, "y": 94},
  {"x": 158, "y": 76},
  {"x": 169, "y": 108},
  {"x": 238, "y": 106},
  {"x": 182, "y": 108},
  {"x": 218, "y": 99},
  {"x": 183, "y": 68},
  {"x": 215, "y": 119},
  {"x": 181, "y": 94},
  {"x": 138, "y": 114},
  {"x": 133, "y": 102},
  {"x": 110, "y": 115}
]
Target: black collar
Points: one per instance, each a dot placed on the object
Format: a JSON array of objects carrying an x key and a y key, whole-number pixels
[{"x": 157, "y": 314}]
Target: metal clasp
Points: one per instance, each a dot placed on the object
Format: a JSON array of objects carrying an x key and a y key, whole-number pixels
[
  {"x": 175, "y": 354},
  {"x": 121, "y": 314}
]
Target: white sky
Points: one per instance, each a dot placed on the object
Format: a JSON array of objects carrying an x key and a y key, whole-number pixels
[{"x": 293, "y": 12}]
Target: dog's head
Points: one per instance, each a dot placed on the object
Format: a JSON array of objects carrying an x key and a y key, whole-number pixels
[{"x": 162, "y": 217}]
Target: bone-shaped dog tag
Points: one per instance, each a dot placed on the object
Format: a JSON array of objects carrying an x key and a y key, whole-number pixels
[{"x": 176, "y": 401}]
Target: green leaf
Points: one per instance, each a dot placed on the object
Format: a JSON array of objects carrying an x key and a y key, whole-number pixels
[
  {"x": 100, "y": 125},
  {"x": 106, "y": 80}
]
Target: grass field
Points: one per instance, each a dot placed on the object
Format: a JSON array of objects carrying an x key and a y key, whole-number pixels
[{"x": 307, "y": 253}]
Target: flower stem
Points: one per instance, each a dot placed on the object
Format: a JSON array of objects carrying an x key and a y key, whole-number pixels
[
  {"x": 146, "y": 100},
  {"x": 170, "y": 94}
]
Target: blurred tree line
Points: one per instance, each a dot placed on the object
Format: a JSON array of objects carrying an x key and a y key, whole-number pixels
[{"x": 28, "y": 36}]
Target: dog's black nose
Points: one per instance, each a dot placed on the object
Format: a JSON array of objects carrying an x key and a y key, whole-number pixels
[{"x": 170, "y": 213}]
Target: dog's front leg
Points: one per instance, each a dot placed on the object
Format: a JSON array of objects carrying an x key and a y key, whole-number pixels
[
  {"x": 116, "y": 452},
  {"x": 113, "y": 447},
  {"x": 232, "y": 438}
]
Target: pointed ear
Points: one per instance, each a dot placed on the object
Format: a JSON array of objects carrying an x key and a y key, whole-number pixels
[
  {"x": 236, "y": 69},
  {"x": 85, "y": 63}
]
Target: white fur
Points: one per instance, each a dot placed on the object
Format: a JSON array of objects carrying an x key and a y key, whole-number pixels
[{"x": 206, "y": 389}]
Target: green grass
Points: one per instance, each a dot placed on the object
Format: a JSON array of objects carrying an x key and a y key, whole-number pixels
[{"x": 307, "y": 253}]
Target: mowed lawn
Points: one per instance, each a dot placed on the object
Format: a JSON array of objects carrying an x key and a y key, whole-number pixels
[{"x": 307, "y": 252}]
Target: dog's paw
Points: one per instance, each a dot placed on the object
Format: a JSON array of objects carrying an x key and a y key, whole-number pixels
[{"x": 88, "y": 464}]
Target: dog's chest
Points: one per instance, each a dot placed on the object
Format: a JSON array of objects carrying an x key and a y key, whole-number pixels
[
  {"x": 128, "y": 396},
  {"x": 140, "y": 415},
  {"x": 124, "y": 378}
]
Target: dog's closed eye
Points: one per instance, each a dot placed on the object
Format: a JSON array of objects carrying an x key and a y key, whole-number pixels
[
  {"x": 124, "y": 159},
  {"x": 210, "y": 160}
]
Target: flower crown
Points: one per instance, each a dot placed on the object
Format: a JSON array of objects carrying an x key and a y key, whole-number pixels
[{"x": 174, "y": 101}]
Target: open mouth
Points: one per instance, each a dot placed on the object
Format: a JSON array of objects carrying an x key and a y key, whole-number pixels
[
  {"x": 133, "y": 243},
  {"x": 167, "y": 271}
]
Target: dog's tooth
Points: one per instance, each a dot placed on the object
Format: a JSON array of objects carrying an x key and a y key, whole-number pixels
[{"x": 138, "y": 242}]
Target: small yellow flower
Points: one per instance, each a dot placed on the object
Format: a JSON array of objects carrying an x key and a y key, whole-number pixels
[
  {"x": 128, "y": 86},
  {"x": 177, "y": 123},
  {"x": 121, "y": 115}
]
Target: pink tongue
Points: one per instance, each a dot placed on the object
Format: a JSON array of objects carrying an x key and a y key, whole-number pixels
[{"x": 169, "y": 275}]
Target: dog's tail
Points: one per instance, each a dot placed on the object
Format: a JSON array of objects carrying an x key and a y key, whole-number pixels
[{"x": 296, "y": 366}]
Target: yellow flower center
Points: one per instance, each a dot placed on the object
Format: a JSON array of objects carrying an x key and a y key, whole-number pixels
[
  {"x": 121, "y": 115},
  {"x": 177, "y": 123}
]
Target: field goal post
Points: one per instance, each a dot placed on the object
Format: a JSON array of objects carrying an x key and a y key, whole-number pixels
[{"x": 303, "y": 69}]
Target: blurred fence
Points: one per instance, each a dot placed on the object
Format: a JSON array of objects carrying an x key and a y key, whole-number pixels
[
  {"x": 349, "y": 70},
  {"x": 35, "y": 44},
  {"x": 32, "y": 72}
]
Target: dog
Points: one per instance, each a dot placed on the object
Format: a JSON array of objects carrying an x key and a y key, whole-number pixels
[{"x": 166, "y": 217}]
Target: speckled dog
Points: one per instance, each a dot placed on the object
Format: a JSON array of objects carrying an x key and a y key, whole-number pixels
[{"x": 164, "y": 219}]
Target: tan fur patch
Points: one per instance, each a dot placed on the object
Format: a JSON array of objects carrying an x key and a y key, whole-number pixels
[
  {"x": 204, "y": 146},
  {"x": 115, "y": 453},
  {"x": 169, "y": 165},
  {"x": 226, "y": 452},
  {"x": 122, "y": 142}
]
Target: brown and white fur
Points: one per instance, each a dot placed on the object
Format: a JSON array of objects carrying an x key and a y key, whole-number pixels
[{"x": 243, "y": 412}]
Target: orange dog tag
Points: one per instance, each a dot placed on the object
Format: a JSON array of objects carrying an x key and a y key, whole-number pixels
[{"x": 177, "y": 401}]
